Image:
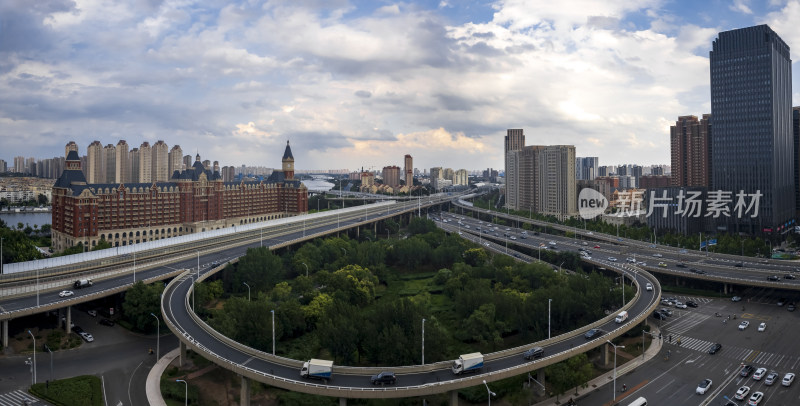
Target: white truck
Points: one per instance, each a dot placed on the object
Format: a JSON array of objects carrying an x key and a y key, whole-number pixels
[
  {"x": 621, "y": 317},
  {"x": 82, "y": 283},
  {"x": 317, "y": 369},
  {"x": 468, "y": 363}
]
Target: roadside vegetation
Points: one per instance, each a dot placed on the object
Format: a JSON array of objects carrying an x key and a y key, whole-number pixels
[{"x": 84, "y": 390}]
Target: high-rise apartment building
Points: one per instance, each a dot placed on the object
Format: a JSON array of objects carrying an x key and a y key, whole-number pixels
[
  {"x": 751, "y": 116},
  {"x": 71, "y": 146},
  {"x": 690, "y": 151},
  {"x": 122, "y": 166},
  {"x": 408, "y": 170},
  {"x": 586, "y": 168},
  {"x": 19, "y": 164},
  {"x": 187, "y": 161},
  {"x": 146, "y": 163},
  {"x": 796, "y": 149},
  {"x": 160, "y": 162},
  {"x": 514, "y": 141},
  {"x": 557, "y": 181},
  {"x": 391, "y": 176},
  {"x": 109, "y": 163},
  {"x": 448, "y": 173},
  {"x": 175, "y": 160},
  {"x": 461, "y": 177},
  {"x": 94, "y": 156},
  {"x": 133, "y": 158}
]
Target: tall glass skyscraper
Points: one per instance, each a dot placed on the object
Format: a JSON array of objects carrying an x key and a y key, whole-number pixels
[{"x": 751, "y": 113}]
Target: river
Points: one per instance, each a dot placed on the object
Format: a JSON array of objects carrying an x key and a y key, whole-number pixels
[{"x": 30, "y": 219}]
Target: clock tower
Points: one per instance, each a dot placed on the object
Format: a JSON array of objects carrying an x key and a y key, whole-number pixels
[{"x": 288, "y": 163}]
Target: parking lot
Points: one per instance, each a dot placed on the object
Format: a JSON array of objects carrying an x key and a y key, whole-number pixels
[{"x": 674, "y": 380}]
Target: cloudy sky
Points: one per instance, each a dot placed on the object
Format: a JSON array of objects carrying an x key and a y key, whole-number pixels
[{"x": 361, "y": 83}]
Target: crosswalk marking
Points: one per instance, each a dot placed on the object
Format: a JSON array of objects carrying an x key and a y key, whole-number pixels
[{"x": 16, "y": 398}]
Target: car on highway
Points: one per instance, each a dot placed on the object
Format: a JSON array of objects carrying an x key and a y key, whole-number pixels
[
  {"x": 680, "y": 265},
  {"x": 662, "y": 264},
  {"x": 649, "y": 286},
  {"x": 787, "y": 379},
  {"x": 631, "y": 260},
  {"x": 791, "y": 307},
  {"x": 760, "y": 372},
  {"x": 65, "y": 293},
  {"x": 383, "y": 378},
  {"x": 593, "y": 333},
  {"x": 789, "y": 276},
  {"x": 742, "y": 393},
  {"x": 552, "y": 243},
  {"x": 657, "y": 255},
  {"x": 703, "y": 386},
  {"x": 755, "y": 399},
  {"x": 736, "y": 299},
  {"x": 762, "y": 327},
  {"x": 715, "y": 348},
  {"x": 641, "y": 263},
  {"x": 772, "y": 377},
  {"x": 596, "y": 246},
  {"x": 612, "y": 259},
  {"x": 746, "y": 371},
  {"x": 535, "y": 352},
  {"x": 106, "y": 322},
  {"x": 743, "y": 325},
  {"x": 773, "y": 278},
  {"x": 691, "y": 303}
]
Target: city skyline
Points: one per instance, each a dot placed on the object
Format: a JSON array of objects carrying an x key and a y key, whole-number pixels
[{"x": 418, "y": 78}]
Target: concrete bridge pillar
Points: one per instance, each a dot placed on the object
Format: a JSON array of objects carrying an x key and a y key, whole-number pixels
[
  {"x": 358, "y": 232},
  {"x": 4, "y": 327},
  {"x": 244, "y": 396},
  {"x": 453, "y": 397},
  {"x": 606, "y": 350},
  {"x": 342, "y": 401},
  {"x": 69, "y": 319},
  {"x": 725, "y": 288},
  {"x": 182, "y": 357},
  {"x": 540, "y": 378}
]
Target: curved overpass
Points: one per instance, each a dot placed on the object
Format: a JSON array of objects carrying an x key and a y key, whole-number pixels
[{"x": 415, "y": 380}]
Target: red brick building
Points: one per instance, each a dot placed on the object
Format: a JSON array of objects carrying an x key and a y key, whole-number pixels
[{"x": 194, "y": 200}]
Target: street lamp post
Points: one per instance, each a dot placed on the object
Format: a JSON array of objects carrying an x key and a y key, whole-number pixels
[
  {"x": 158, "y": 336},
  {"x": 29, "y": 362},
  {"x": 51, "y": 360},
  {"x": 423, "y": 341},
  {"x": 198, "y": 264},
  {"x": 34, "y": 356},
  {"x": 134, "y": 266},
  {"x": 549, "y": 302},
  {"x": 614, "y": 395},
  {"x": 273, "y": 331},
  {"x": 248, "y": 290},
  {"x": 489, "y": 392},
  {"x": 185, "y": 392},
  {"x": 1, "y": 255}
]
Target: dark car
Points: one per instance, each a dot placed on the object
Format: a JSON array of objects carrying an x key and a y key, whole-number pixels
[
  {"x": 789, "y": 276},
  {"x": 790, "y": 307},
  {"x": 383, "y": 378},
  {"x": 593, "y": 333},
  {"x": 533, "y": 353},
  {"x": 691, "y": 303},
  {"x": 715, "y": 348},
  {"x": 773, "y": 278},
  {"x": 106, "y": 322},
  {"x": 659, "y": 316},
  {"x": 746, "y": 371},
  {"x": 77, "y": 329},
  {"x": 739, "y": 265},
  {"x": 680, "y": 265}
]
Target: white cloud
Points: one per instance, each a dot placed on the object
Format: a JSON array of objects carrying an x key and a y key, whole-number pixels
[{"x": 741, "y": 6}]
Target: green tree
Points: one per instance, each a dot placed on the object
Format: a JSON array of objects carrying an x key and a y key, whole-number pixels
[
  {"x": 140, "y": 301},
  {"x": 101, "y": 245},
  {"x": 475, "y": 256},
  {"x": 353, "y": 284},
  {"x": 41, "y": 199},
  {"x": 316, "y": 309},
  {"x": 340, "y": 331},
  {"x": 481, "y": 326}
]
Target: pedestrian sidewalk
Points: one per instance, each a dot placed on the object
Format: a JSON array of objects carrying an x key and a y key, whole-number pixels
[
  {"x": 607, "y": 377},
  {"x": 153, "y": 386}
]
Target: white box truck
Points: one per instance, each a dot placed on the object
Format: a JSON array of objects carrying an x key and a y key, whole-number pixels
[
  {"x": 468, "y": 363},
  {"x": 621, "y": 317},
  {"x": 317, "y": 369}
]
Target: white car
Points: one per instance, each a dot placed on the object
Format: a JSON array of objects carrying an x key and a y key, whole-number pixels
[
  {"x": 552, "y": 243},
  {"x": 612, "y": 259},
  {"x": 649, "y": 286},
  {"x": 642, "y": 263},
  {"x": 86, "y": 336},
  {"x": 742, "y": 393},
  {"x": 762, "y": 327},
  {"x": 92, "y": 313},
  {"x": 703, "y": 386},
  {"x": 787, "y": 379},
  {"x": 743, "y": 325},
  {"x": 65, "y": 293},
  {"x": 755, "y": 399},
  {"x": 657, "y": 255},
  {"x": 760, "y": 372},
  {"x": 680, "y": 305},
  {"x": 736, "y": 298}
]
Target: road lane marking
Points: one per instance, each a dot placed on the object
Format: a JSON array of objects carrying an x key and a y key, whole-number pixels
[{"x": 752, "y": 356}]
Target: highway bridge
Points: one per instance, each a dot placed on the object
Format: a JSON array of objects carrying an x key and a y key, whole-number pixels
[{"x": 23, "y": 293}]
